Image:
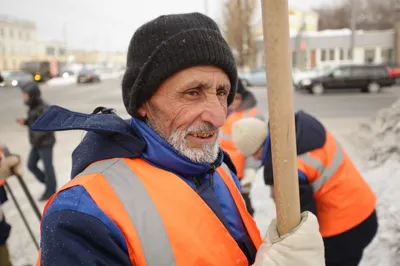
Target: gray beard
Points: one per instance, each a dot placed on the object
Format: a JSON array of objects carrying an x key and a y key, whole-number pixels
[{"x": 207, "y": 154}]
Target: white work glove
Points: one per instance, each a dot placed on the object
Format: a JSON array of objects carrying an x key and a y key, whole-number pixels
[
  {"x": 247, "y": 179},
  {"x": 9, "y": 164},
  {"x": 301, "y": 247}
]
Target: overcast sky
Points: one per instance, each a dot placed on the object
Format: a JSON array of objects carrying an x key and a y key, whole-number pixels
[{"x": 106, "y": 24}]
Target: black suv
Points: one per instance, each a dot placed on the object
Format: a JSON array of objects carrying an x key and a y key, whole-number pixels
[{"x": 368, "y": 78}]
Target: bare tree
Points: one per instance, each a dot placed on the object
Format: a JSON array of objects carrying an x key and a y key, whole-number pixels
[
  {"x": 371, "y": 14},
  {"x": 238, "y": 30}
]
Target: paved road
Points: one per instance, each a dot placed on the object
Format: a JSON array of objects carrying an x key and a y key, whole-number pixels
[{"x": 344, "y": 104}]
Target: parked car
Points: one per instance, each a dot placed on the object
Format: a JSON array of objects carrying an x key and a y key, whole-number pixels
[
  {"x": 15, "y": 78},
  {"x": 88, "y": 76},
  {"x": 394, "y": 71},
  {"x": 256, "y": 77},
  {"x": 321, "y": 69},
  {"x": 368, "y": 78}
]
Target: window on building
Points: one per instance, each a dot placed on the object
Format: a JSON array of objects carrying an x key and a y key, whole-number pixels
[
  {"x": 332, "y": 54},
  {"x": 387, "y": 55},
  {"x": 27, "y": 36},
  {"x": 50, "y": 51},
  {"x": 11, "y": 33},
  {"x": 1, "y": 32},
  {"x": 323, "y": 55},
  {"x": 369, "y": 55},
  {"x": 341, "y": 54},
  {"x": 62, "y": 51},
  {"x": 349, "y": 54}
]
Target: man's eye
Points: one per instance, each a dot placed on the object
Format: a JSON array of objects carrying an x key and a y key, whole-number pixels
[
  {"x": 222, "y": 93},
  {"x": 192, "y": 93}
]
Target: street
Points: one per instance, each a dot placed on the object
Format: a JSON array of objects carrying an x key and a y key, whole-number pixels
[{"x": 336, "y": 108}]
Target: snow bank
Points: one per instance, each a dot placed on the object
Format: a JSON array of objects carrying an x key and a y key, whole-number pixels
[
  {"x": 377, "y": 143},
  {"x": 379, "y": 137},
  {"x": 385, "y": 248}
]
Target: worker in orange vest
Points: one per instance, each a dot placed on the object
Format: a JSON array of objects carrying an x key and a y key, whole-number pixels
[
  {"x": 330, "y": 185},
  {"x": 156, "y": 189},
  {"x": 243, "y": 106},
  {"x": 7, "y": 166}
]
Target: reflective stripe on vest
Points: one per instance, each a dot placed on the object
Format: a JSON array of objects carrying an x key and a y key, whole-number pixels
[
  {"x": 151, "y": 231},
  {"x": 325, "y": 172}
]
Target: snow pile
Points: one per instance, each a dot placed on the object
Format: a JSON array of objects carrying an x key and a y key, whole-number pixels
[
  {"x": 377, "y": 142},
  {"x": 379, "y": 137},
  {"x": 385, "y": 248}
]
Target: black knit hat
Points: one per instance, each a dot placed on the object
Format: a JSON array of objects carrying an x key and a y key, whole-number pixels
[
  {"x": 31, "y": 87},
  {"x": 168, "y": 44}
]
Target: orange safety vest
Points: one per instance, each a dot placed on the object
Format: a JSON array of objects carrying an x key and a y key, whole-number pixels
[
  {"x": 154, "y": 209},
  {"x": 343, "y": 198},
  {"x": 226, "y": 142}
]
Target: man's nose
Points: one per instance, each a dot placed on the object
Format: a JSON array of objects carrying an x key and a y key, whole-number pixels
[{"x": 215, "y": 113}]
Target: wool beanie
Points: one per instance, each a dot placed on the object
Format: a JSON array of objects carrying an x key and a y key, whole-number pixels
[
  {"x": 32, "y": 88},
  {"x": 169, "y": 44},
  {"x": 249, "y": 134}
]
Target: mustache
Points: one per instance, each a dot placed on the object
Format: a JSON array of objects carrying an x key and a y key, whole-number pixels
[{"x": 200, "y": 127}]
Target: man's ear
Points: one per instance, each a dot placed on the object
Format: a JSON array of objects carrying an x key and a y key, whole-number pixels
[{"x": 142, "y": 111}]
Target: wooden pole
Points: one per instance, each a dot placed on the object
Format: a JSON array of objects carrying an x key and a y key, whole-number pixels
[{"x": 277, "y": 53}]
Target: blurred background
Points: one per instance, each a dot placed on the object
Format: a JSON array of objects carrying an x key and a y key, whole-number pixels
[{"x": 346, "y": 71}]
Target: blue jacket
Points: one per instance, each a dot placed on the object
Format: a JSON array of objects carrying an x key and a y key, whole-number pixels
[
  {"x": 310, "y": 135},
  {"x": 76, "y": 232}
]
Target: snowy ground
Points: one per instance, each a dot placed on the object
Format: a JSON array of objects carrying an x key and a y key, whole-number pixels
[{"x": 382, "y": 252}]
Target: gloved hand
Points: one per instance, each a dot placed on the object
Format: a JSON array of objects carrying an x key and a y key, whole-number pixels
[
  {"x": 247, "y": 180},
  {"x": 301, "y": 247},
  {"x": 8, "y": 165}
]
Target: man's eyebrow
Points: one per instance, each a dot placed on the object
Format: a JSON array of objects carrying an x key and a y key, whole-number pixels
[
  {"x": 201, "y": 85},
  {"x": 223, "y": 86}
]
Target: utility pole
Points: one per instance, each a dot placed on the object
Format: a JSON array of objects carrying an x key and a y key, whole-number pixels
[{"x": 353, "y": 26}]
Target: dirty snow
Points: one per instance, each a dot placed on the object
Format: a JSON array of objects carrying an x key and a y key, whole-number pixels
[{"x": 372, "y": 140}]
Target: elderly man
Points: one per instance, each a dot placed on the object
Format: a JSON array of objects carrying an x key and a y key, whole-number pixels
[{"x": 157, "y": 189}]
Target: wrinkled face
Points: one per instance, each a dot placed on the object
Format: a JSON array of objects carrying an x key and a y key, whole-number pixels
[{"x": 188, "y": 109}]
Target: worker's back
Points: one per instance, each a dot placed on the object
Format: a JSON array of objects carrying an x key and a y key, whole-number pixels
[{"x": 341, "y": 196}]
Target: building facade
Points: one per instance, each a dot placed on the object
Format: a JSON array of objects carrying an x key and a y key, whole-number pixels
[
  {"x": 334, "y": 46},
  {"x": 17, "y": 42},
  {"x": 299, "y": 20},
  {"x": 98, "y": 57}
]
